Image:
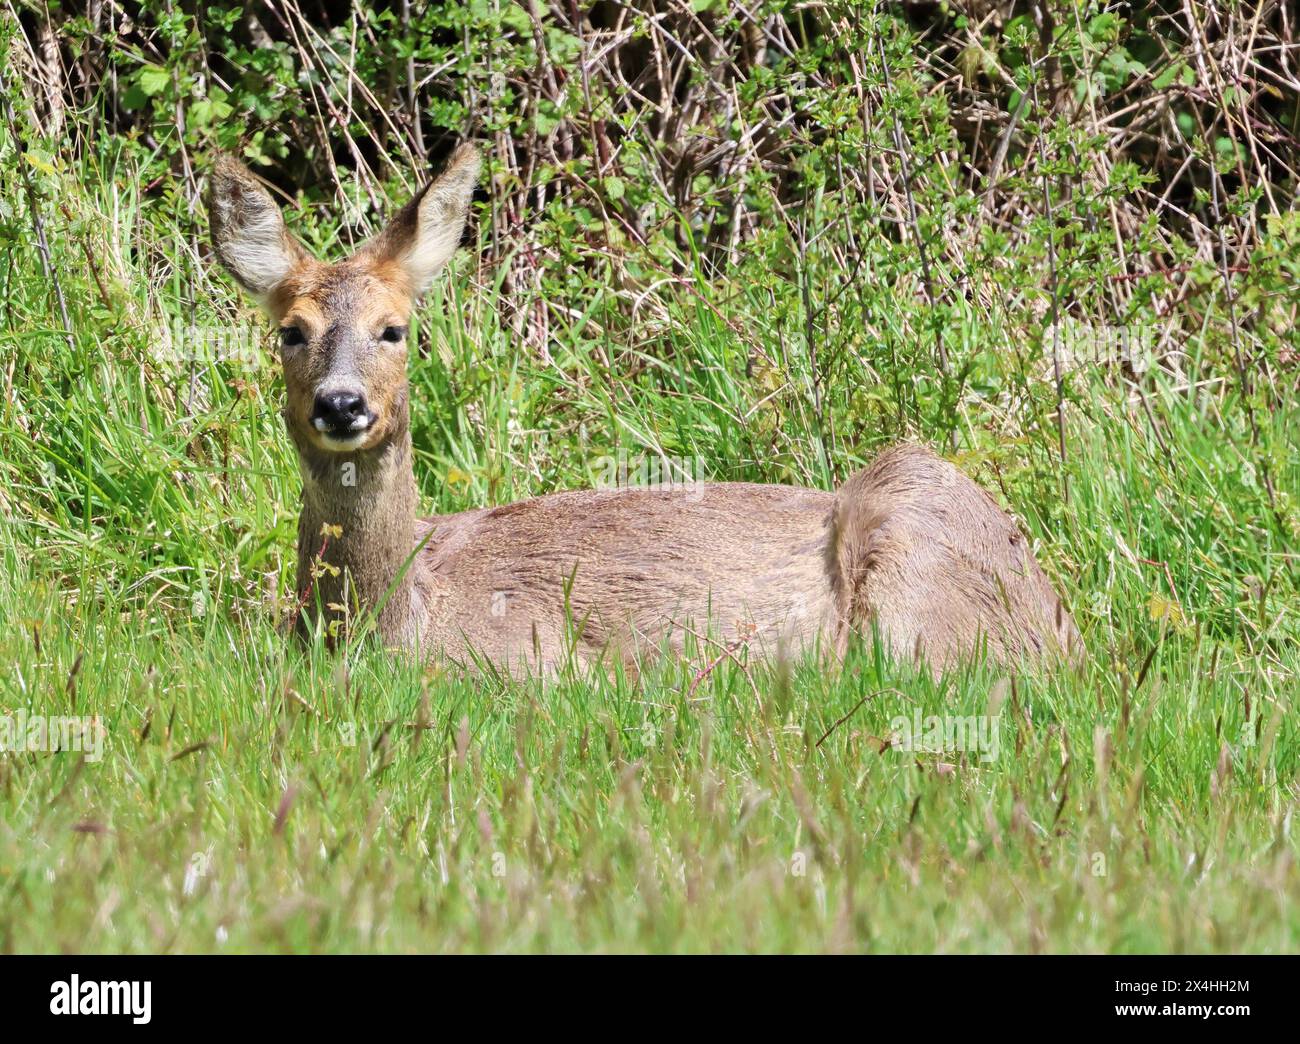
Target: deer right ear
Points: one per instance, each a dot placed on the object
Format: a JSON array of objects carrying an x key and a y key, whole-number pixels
[
  {"x": 424, "y": 234},
  {"x": 248, "y": 232}
]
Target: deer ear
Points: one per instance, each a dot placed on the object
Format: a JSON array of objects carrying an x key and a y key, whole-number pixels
[
  {"x": 424, "y": 234},
  {"x": 248, "y": 231}
]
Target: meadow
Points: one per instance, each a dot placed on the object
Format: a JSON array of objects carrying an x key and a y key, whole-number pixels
[{"x": 1067, "y": 260}]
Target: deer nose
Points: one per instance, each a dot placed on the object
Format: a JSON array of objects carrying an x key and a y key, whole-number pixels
[{"x": 341, "y": 413}]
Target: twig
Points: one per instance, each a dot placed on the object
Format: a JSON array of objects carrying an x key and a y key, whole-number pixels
[
  {"x": 728, "y": 651},
  {"x": 1055, "y": 312},
  {"x": 940, "y": 351},
  {"x": 42, "y": 245},
  {"x": 307, "y": 589},
  {"x": 1171, "y": 271},
  {"x": 852, "y": 711}
]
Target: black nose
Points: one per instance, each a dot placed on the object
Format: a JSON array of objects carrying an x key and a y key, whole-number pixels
[{"x": 341, "y": 413}]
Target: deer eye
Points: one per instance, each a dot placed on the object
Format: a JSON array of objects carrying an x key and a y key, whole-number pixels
[
  {"x": 291, "y": 336},
  {"x": 393, "y": 334}
]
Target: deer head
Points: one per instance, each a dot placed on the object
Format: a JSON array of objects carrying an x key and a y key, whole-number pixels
[{"x": 343, "y": 326}]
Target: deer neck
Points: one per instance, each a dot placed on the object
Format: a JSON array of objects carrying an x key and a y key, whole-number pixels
[{"x": 356, "y": 533}]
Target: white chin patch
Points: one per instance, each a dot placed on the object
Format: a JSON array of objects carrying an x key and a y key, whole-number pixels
[{"x": 351, "y": 442}]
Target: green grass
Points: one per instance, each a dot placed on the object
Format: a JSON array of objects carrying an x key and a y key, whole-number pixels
[{"x": 257, "y": 795}]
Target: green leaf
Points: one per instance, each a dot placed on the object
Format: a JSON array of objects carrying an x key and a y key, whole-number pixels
[
  {"x": 39, "y": 161},
  {"x": 153, "y": 79},
  {"x": 1168, "y": 75}
]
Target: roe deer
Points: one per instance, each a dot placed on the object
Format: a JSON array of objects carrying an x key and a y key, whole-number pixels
[{"x": 910, "y": 547}]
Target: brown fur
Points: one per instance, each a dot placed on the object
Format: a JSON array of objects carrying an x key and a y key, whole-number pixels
[
  {"x": 909, "y": 547},
  {"x": 371, "y": 296}
]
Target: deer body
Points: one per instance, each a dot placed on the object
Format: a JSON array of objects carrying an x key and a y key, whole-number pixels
[{"x": 909, "y": 547}]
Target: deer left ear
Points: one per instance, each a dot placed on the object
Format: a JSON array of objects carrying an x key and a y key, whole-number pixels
[
  {"x": 248, "y": 232},
  {"x": 425, "y": 233}
]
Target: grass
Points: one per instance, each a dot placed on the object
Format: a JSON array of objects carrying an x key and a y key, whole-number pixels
[{"x": 258, "y": 795}]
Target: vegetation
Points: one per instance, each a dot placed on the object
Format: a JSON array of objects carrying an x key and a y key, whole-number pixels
[{"x": 1056, "y": 241}]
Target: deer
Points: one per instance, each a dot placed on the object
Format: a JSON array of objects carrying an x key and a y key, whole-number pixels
[{"x": 908, "y": 551}]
